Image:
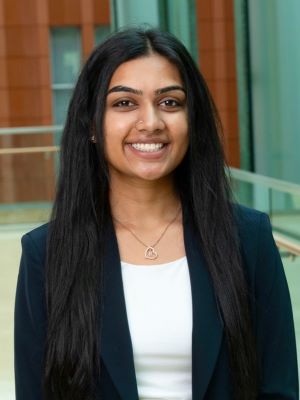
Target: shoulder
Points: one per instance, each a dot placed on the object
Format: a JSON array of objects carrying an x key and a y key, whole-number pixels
[
  {"x": 34, "y": 242},
  {"x": 259, "y": 251},
  {"x": 255, "y": 235},
  {"x": 38, "y": 234},
  {"x": 253, "y": 227},
  {"x": 249, "y": 219},
  {"x": 31, "y": 278}
]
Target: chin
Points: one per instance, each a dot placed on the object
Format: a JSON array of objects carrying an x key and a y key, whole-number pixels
[{"x": 153, "y": 176}]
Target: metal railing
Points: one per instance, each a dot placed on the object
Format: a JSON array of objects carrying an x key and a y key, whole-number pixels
[
  {"x": 270, "y": 183},
  {"x": 284, "y": 238},
  {"x": 29, "y": 131},
  {"x": 286, "y": 244}
]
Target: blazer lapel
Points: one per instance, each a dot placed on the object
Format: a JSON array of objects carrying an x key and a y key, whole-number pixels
[
  {"x": 207, "y": 322},
  {"x": 116, "y": 346}
]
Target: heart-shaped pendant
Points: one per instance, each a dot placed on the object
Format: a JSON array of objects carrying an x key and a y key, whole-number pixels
[{"x": 150, "y": 253}]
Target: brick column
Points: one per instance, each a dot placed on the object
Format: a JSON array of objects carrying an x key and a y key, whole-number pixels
[
  {"x": 88, "y": 28},
  {"x": 217, "y": 58}
]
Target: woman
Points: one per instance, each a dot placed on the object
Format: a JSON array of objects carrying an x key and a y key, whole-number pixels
[{"x": 148, "y": 283}]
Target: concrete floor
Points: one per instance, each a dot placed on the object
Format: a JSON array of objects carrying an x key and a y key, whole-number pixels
[{"x": 10, "y": 250}]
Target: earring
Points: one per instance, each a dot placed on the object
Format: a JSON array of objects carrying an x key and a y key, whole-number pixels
[{"x": 93, "y": 139}]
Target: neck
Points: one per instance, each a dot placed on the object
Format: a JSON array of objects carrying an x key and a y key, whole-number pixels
[{"x": 143, "y": 203}]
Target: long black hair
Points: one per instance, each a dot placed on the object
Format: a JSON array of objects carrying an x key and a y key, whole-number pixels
[{"x": 81, "y": 210}]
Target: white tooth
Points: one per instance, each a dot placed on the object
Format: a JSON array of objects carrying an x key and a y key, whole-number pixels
[{"x": 147, "y": 147}]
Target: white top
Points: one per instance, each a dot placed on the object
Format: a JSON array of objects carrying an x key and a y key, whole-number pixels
[{"x": 159, "y": 310}]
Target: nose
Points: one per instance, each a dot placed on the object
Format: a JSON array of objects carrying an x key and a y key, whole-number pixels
[{"x": 150, "y": 120}]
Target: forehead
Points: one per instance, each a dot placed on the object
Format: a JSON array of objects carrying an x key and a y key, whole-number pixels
[{"x": 152, "y": 70}]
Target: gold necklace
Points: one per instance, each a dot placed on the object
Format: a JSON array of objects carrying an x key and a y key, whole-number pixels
[{"x": 150, "y": 252}]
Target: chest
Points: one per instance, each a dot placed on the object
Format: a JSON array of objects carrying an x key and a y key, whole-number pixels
[{"x": 159, "y": 311}]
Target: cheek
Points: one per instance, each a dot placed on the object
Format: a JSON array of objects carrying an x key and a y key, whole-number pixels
[
  {"x": 114, "y": 133},
  {"x": 120, "y": 123},
  {"x": 181, "y": 132},
  {"x": 179, "y": 124}
]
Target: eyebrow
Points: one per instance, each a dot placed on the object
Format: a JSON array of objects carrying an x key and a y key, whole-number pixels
[{"x": 166, "y": 89}]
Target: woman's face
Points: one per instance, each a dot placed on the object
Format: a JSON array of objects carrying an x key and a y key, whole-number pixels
[{"x": 145, "y": 121}]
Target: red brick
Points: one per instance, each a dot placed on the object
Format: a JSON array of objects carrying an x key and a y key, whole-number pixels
[
  {"x": 206, "y": 35},
  {"x": 18, "y": 12},
  {"x": 204, "y": 9}
]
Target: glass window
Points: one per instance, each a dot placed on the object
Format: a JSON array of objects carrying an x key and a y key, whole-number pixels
[
  {"x": 101, "y": 32},
  {"x": 176, "y": 16},
  {"x": 179, "y": 18},
  {"x": 65, "y": 63},
  {"x": 274, "y": 51}
]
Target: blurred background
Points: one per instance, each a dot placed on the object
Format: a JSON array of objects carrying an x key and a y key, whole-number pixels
[{"x": 247, "y": 50}]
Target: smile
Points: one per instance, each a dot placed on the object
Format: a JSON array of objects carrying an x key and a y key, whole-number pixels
[{"x": 147, "y": 147}]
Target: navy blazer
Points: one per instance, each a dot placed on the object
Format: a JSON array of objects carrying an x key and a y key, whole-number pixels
[{"x": 270, "y": 305}]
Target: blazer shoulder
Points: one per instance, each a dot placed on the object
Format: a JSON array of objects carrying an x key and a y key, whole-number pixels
[
  {"x": 253, "y": 226},
  {"x": 255, "y": 233},
  {"x": 39, "y": 233},
  {"x": 36, "y": 239},
  {"x": 249, "y": 219}
]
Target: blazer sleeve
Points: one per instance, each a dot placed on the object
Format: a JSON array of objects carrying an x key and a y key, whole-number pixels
[
  {"x": 275, "y": 333},
  {"x": 30, "y": 321}
]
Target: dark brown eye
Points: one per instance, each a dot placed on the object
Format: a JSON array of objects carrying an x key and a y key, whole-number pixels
[
  {"x": 170, "y": 103},
  {"x": 124, "y": 103}
]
